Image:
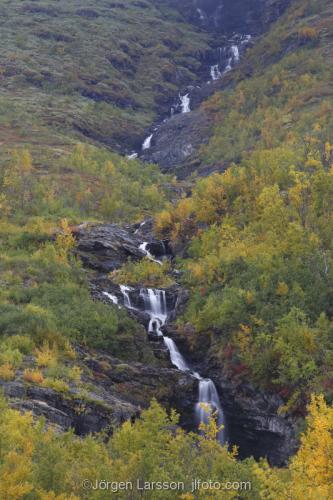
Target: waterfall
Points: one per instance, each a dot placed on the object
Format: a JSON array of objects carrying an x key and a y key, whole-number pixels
[
  {"x": 113, "y": 298},
  {"x": 132, "y": 156},
  {"x": 208, "y": 404},
  {"x": 176, "y": 358},
  {"x": 215, "y": 72},
  {"x": 125, "y": 291},
  {"x": 235, "y": 53},
  {"x": 145, "y": 250},
  {"x": 202, "y": 14},
  {"x": 185, "y": 103},
  {"x": 155, "y": 305},
  {"x": 147, "y": 142}
]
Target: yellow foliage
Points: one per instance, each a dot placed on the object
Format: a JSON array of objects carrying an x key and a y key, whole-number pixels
[
  {"x": 33, "y": 376},
  {"x": 58, "y": 384},
  {"x": 310, "y": 472},
  {"x": 282, "y": 289},
  {"x": 7, "y": 372},
  {"x": 65, "y": 241},
  {"x": 46, "y": 356}
]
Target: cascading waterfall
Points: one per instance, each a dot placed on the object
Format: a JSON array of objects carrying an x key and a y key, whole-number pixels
[
  {"x": 155, "y": 305},
  {"x": 125, "y": 291},
  {"x": 147, "y": 142},
  {"x": 111, "y": 297},
  {"x": 235, "y": 53},
  {"x": 215, "y": 72},
  {"x": 208, "y": 404},
  {"x": 144, "y": 248},
  {"x": 185, "y": 103},
  {"x": 176, "y": 358}
]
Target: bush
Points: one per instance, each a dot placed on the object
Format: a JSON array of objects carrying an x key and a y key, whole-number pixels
[
  {"x": 144, "y": 273},
  {"x": 33, "y": 376},
  {"x": 7, "y": 372},
  {"x": 57, "y": 384}
]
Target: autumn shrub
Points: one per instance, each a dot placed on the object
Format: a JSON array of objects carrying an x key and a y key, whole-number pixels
[
  {"x": 46, "y": 356},
  {"x": 56, "y": 384},
  {"x": 308, "y": 34},
  {"x": 7, "y": 372},
  {"x": 33, "y": 376}
]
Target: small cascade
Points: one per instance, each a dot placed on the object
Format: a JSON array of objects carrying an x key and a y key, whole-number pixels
[
  {"x": 156, "y": 307},
  {"x": 111, "y": 297},
  {"x": 144, "y": 248},
  {"x": 215, "y": 72},
  {"x": 127, "y": 300},
  {"x": 235, "y": 53},
  {"x": 132, "y": 156},
  {"x": 185, "y": 103},
  {"x": 202, "y": 14},
  {"x": 176, "y": 358},
  {"x": 147, "y": 142},
  {"x": 208, "y": 404}
]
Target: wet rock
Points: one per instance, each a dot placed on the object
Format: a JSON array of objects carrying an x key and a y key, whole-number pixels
[{"x": 176, "y": 140}]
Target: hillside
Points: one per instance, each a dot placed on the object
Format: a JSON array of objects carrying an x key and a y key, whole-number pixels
[{"x": 72, "y": 72}]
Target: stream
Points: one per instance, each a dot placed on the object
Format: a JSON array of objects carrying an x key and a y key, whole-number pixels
[{"x": 154, "y": 303}]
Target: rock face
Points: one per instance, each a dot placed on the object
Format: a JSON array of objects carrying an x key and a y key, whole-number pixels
[
  {"x": 115, "y": 392},
  {"x": 176, "y": 141},
  {"x": 229, "y": 16},
  {"x": 253, "y": 422},
  {"x": 107, "y": 247}
]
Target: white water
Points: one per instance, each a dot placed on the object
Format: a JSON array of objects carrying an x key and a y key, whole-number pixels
[
  {"x": 144, "y": 249},
  {"x": 215, "y": 72},
  {"x": 147, "y": 142},
  {"x": 208, "y": 400},
  {"x": 133, "y": 156},
  {"x": 209, "y": 404},
  {"x": 185, "y": 103},
  {"x": 201, "y": 14},
  {"x": 235, "y": 53},
  {"x": 156, "y": 307},
  {"x": 113, "y": 298},
  {"x": 125, "y": 291},
  {"x": 175, "y": 356}
]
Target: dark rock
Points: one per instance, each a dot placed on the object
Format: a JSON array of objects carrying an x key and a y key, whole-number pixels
[
  {"x": 107, "y": 247},
  {"x": 177, "y": 140},
  {"x": 254, "y": 424},
  {"x": 229, "y": 16},
  {"x": 117, "y": 392}
]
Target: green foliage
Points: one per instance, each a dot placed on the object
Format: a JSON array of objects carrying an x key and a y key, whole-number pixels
[
  {"x": 96, "y": 72},
  {"x": 145, "y": 273},
  {"x": 51, "y": 465},
  {"x": 261, "y": 271},
  {"x": 88, "y": 182}
]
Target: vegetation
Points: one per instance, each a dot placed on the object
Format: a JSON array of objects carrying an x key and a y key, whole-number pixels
[
  {"x": 145, "y": 272},
  {"x": 256, "y": 239},
  {"x": 94, "y": 72},
  {"x": 38, "y": 463}
]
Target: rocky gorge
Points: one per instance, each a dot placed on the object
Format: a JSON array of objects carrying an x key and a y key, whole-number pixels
[{"x": 252, "y": 418}]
